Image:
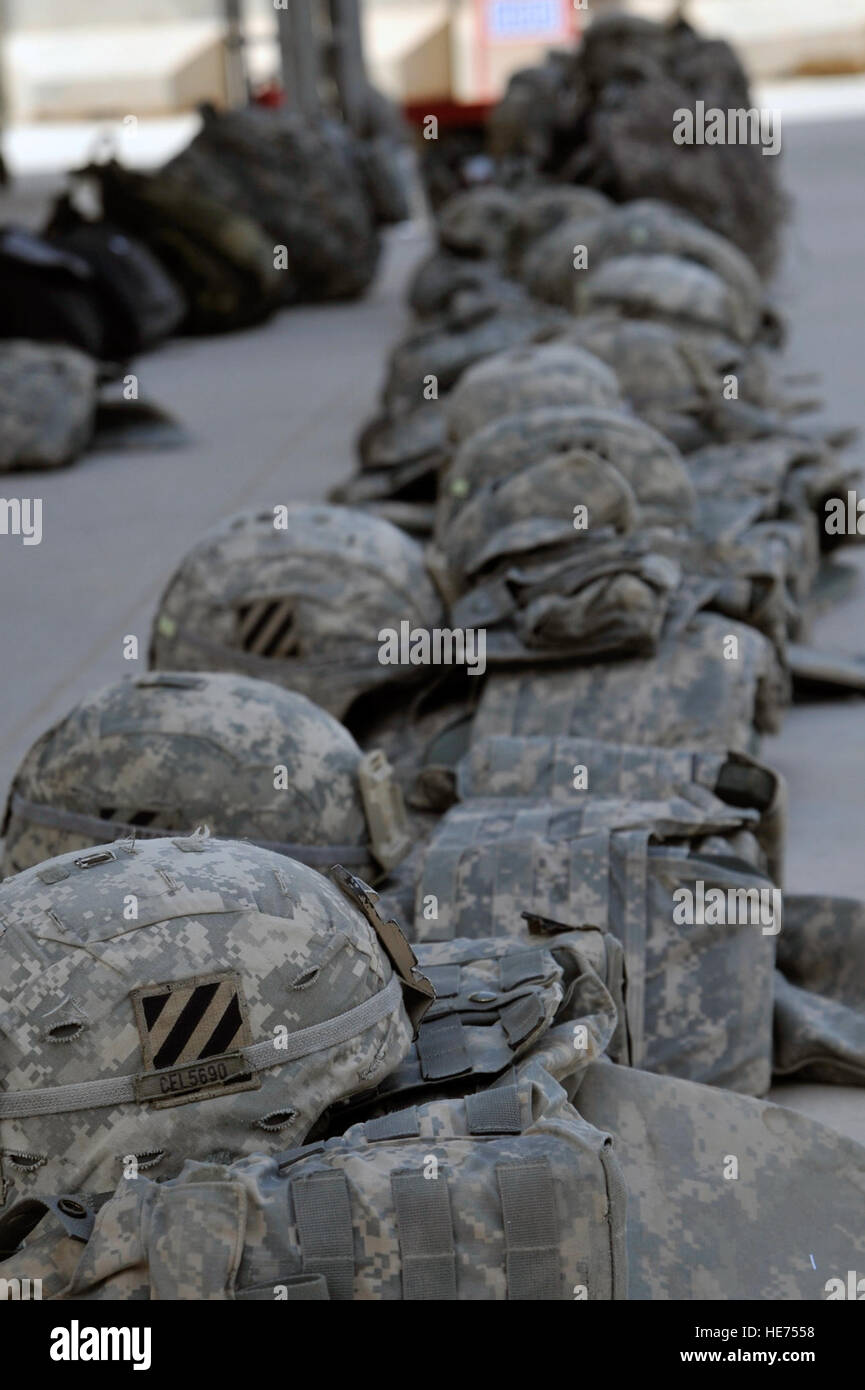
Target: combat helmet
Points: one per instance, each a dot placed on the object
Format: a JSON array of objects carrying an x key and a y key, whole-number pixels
[
  {"x": 650, "y": 464},
  {"x": 176, "y": 999},
  {"x": 476, "y": 221},
  {"x": 535, "y": 374},
  {"x": 165, "y": 752},
  {"x": 672, "y": 289},
  {"x": 297, "y": 595}
]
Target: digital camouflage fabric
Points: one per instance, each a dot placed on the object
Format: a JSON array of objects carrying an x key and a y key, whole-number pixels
[
  {"x": 568, "y": 769},
  {"x": 498, "y": 998},
  {"x": 728, "y": 1196},
  {"x": 171, "y": 751},
  {"x": 698, "y": 995},
  {"x": 819, "y": 1012},
  {"x": 477, "y": 222},
  {"x": 47, "y": 404},
  {"x": 184, "y": 998},
  {"x": 507, "y": 1194},
  {"x": 688, "y": 695},
  {"x": 298, "y": 598},
  {"x": 431, "y": 358},
  {"x": 650, "y": 464},
  {"x": 561, "y": 266},
  {"x": 548, "y": 374}
]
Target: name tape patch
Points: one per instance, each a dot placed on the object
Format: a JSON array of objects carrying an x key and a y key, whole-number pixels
[{"x": 191, "y": 1033}]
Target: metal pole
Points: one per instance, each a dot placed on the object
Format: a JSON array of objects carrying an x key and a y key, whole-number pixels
[
  {"x": 349, "y": 68},
  {"x": 299, "y": 54},
  {"x": 237, "y": 85}
]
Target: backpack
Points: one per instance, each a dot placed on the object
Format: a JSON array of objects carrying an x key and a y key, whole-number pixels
[
  {"x": 48, "y": 294},
  {"x": 222, "y": 260},
  {"x": 141, "y": 303}
]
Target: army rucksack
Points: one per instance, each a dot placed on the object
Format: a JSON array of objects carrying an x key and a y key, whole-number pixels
[
  {"x": 141, "y": 303},
  {"x": 222, "y": 260}
]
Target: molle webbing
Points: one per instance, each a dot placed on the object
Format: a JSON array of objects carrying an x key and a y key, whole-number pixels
[
  {"x": 96, "y": 830},
  {"x": 323, "y": 1209},
  {"x": 472, "y": 1032},
  {"x": 261, "y": 1056},
  {"x": 426, "y": 1237},
  {"x": 422, "y": 1208}
]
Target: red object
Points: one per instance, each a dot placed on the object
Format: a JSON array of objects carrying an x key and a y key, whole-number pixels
[{"x": 272, "y": 95}]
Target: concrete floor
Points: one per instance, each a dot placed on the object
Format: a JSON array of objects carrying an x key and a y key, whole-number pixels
[{"x": 273, "y": 413}]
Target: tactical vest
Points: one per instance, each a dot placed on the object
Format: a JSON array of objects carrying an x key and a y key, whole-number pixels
[
  {"x": 698, "y": 996},
  {"x": 506, "y": 1194}
]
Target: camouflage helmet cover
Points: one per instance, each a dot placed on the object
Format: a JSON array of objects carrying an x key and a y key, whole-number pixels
[
  {"x": 167, "y": 752},
  {"x": 174, "y": 999},
  {"x": 300, "y": 603}
]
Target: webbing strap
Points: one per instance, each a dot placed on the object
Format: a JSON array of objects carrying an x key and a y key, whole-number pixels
[
  {"x": 91, "y": 1095},
  {"x": 401, "y": 1124},
  {"x": 98, "y": 830},
  {"x": 323, "y": 1209},
  {"x": 442, "y": 1050},
  {"x": 533, "y": 1259},
  {"x": 494, "y": 1112},
  {"x": 426, "y": 1237},
  {"x": 521, "y": 1018},
  {"x": 520, "y": 966}
]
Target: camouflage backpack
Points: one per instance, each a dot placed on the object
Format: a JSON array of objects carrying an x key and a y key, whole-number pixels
[
  {"x": 506, "y": 1194},
  {"x": 222, "y": 260},
  {"x": 184, "y": 998},
  {"x": 300, "y": 603},
  {"x": 303, "y": 182},
  {"x": 168, "y": 752}
]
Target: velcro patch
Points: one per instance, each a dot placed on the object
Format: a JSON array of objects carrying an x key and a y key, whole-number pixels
[{"x": 192, "y": 1032}]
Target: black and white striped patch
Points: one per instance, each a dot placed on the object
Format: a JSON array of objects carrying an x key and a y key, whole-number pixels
[
  {"x": 192, "y": 1032},
  {"x": 266, "y": 627}
]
